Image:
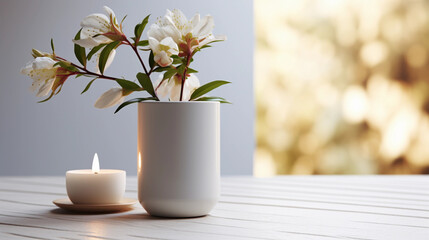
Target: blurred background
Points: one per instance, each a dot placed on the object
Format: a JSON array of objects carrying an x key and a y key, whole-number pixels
[{"x": 341, "y": 87}]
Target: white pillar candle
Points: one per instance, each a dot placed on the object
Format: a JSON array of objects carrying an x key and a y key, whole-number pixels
[{"x": 95, "y": 186}]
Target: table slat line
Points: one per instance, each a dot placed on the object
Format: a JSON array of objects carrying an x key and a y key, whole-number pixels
[
  {"x": 326, "y": 198},
  {"x": 333, "y": 182},
  {"x": 32, "y": 192},
  {"x": 337, "y": 194},
  {"x": 345, "y": 180},
  {"x": 272, "y": 213},
  {"x": 38, "y": 227},
  {"x": 326, "y": 206},
  {"x": 14, "y": 216},
  {"x": 25, "y": 203},
  {"x": 368, "y": 222},
  {"x": 27, "y": 236},
  {"x": 326, "y": 209},
  {"x": 326, "y": 236},
  {"x": 26, "y": 183},
  {"x": 310, "y": 234},
  {"x": 338, "y": 188},
  {"x": 98, "y": 237},
  {"x": 392, "y": 224},
  {"x": 146, "y": 237},
  {"x": 327, "y": 202}
]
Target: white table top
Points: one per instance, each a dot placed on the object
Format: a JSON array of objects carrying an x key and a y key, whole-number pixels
[{"x": 286, "y": 207}]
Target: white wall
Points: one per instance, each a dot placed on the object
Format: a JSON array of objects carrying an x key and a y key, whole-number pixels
[{"x": 63, "y": 134}]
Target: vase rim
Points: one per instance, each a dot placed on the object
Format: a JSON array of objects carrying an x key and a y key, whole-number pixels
[{"x": 180, "y": 102}]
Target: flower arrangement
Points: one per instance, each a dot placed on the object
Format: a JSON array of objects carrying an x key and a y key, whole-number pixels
[{"x": 172, "y": 41}]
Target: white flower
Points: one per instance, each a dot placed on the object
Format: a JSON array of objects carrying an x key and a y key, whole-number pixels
[
  {"x": 110, "y": 98},
  {"x": 99, "y": 29},
  {"x": 175, "y": 25},
  {"x": 43, "y": 72},
  {"x": 163, "y": 50},
  {"x": 171, "y": 87}
]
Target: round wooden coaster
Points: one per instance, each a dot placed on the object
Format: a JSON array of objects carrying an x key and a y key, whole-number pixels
[{"x": 124, "y": 205}]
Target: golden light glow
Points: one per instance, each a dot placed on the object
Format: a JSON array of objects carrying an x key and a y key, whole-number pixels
[{"x": 341, "y": 87}]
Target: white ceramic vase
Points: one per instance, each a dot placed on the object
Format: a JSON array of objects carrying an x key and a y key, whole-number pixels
[{"x": 178, "y": 157}]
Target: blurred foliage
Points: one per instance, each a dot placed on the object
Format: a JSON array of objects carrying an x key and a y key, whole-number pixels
[{"x": 342, "y": 87}]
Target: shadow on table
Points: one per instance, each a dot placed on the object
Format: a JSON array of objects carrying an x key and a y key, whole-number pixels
[{"x": 122, "y": 215}]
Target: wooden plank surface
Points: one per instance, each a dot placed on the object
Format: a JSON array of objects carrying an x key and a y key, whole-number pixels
[{"x": 284, "y": 207}]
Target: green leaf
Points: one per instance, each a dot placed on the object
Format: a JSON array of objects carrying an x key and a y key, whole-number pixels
[
  {"x": 46, "y": 99},
  {"x": 135, "y": 100},
  {"x": 123, "y": 19},
  {"x": 143, "y": 43},
  {"x": 66, "y": 66},
  {"x": 94, "y": 50},
  {"x": 138, "y": 30},
  {"x": 169, "y": 73},
  {"x": 181, "y": 69},
  {"x": 151, "y": 60},
  {"x": 128, "y": 85},
  {"x": 177, "y": 59},
  {"x": 144, "y": 80},
  {"x": 205, "y": 46},
  {"x": 207, "y": 88},
  {"x": 89, "y": 85},
  {"x": 215, "y": 41},
  {"x": 52, "y": 45},
  {"x": 104, "y": 55},
  {"x": 79, "y": 51},
  {"x": 190, "y": 70},
  {"x": 216, "y": 99},
  {"x": 161, "y": 69}
]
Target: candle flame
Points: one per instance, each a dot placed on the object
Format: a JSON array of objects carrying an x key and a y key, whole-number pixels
[{"x": 95, "y": 164}]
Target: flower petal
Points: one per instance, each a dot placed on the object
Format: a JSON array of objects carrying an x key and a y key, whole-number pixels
[
  {"x": 109, "y": 11},
  {"x": 155, "y": 32},
  {"x": 191, "y": 84},
  {"x": 175, "y": 89},
  {"x": 163, "y": 59},
  {"x": 27, "y": 68},
  {"x": 195, "y": 20},
  {"x": 45, "y": 88},
  {"x": 204, "y": 27},
  {"x": 87, "y": 42},
  {"x": 173, "y": 32},
  {"x": 168, "y": 45},
  {"x": 110, "y": 59},
  {"x": 210, "y": 38},
  {"x": 110, "y": 98},
  {"x": 94, "y": 24},
  {"x": 43, "y": 63},
  {"x": 111, "y": 15},
  {"x": 162, "y": 88},
  {"x": 154, "y": 45}
]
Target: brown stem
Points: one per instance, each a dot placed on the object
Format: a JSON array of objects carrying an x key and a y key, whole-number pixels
[
  {"x": 86, "y": 71},
  {"x": 188, "y": 59},
  {"x": 138, "y": 55}
]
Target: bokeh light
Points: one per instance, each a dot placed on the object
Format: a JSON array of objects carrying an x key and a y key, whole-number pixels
[{"x": 342, "y": 87}]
